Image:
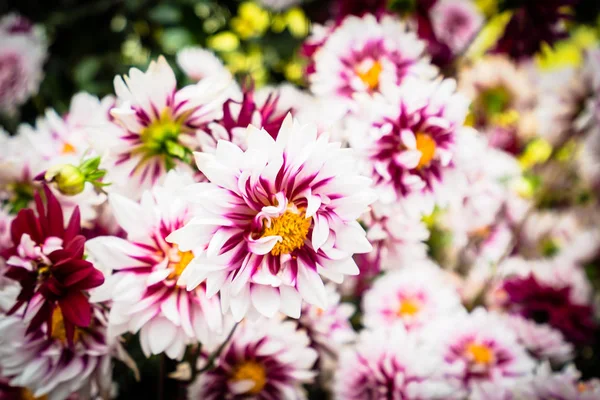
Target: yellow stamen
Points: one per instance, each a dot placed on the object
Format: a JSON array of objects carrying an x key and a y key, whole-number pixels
[
  {"x": 58, "y": 327},
  {"x": 480, "y": 353},
  {"x": 293, "y": 229},
  {"x": 253, "y": 371},
  {"x": 180, "y": 263},
  {"x": 68, "y": 148},
  {"x": 408, "y": 307},
  {"x": 426, "y": 145},
  {"x": 26, "y": 394},
  {"x": 370, "y": 77}
]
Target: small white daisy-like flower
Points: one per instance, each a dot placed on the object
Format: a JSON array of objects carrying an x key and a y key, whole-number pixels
[
  {"x": 145, "y": 268},
  {"x": 159, "y": 122},
  {"x": 48, "y": 366},
  {"x": 23, "y": 51},
  {"x": 273, "y": 219},
  {"x": 392, "y": 364},
  {"x": 456, "y": 23},
  {"x": 541, "y": 340},
  {"x": 264, "y": 359},
  {"x": 365, "y": 55},
  {"x": 414, "y": 296},
  {"x": 406, "y": 140},
  {"x": 481, "y": 348}
]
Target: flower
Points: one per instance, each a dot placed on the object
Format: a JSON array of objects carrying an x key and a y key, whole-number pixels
[
  {"x": 391, "y": 364},
  {"x": 145, "y": 268},
  {"x": 23, "y": 51},
  {"x": 541, "y": 340},
  {"x": 502, "y": 101},
  {"x": 481, "y": 349},
  {"x": 456, "y": 23},
  {"x": 532, "y": 24},
  {"x": 406, "y": 140},
  {"x": 366, "y": 55},
  {"x": 47, "y": 260},
  {"x": 561, "y": 385},
  {"x": 159, "y": 123},
  {"x": 329, "y": 329},
  {"x": 412, "y": 297},
  {"x": 198, "y": 63},
  {"x": 272, "y": 219},
  {"x": 265, "y": 359},
  {"x": 46, "y": 366},
  {"x": 546, "y": 299}
]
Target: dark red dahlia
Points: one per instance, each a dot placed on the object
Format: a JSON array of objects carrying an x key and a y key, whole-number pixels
[
  {"x": 534, "y": 22},
  {"x": 545, "y": 304},
  {"x": 47, "y": 260}
]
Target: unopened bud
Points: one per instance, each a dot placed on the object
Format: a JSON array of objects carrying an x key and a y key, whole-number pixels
[{"x": 68, "y": 178}]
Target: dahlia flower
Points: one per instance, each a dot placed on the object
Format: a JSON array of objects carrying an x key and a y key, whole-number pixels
[
  {"x": 366, "y": 55},
  {"x": 43, "y": 364},
  {"x": 541, "y": 340},
  {"x": 480, "y": 348},
  {"x": 265, "y": 359},
  {"x": 412, "y": 296},
  {"x": 198, "y": 63},
  {"x": 397, "y": 238},
  {"x": 47, "y": 260},
  {"x": 23, "y": 51},
  {"x": 145, "y": 268},
  {"x": 392, "y": 364},
  {"x": 273, "y": 219},
  {"x": 502, "y": 101},
  {"x": 159, "y": 122},
  {"x": 406, "y": 140},
  {"x": 456, "y": 23}
]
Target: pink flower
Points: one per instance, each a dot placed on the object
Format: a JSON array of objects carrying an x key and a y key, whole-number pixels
[{"x": 456, "y": 23}]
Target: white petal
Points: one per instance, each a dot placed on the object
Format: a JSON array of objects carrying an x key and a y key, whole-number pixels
[{"x": 265, "y": 299}]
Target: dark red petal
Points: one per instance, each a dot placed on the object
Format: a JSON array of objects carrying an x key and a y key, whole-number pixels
[
  {"x": 76, "y": 246},
  {"x": 44, "y": 314},
  {"x": 69, "y": 331},
  {"x": 26, "y": 222},
  {"x": 74, "y": 225},
  {"x": 76, "y": 309},
  {"x": 77, "y": 274},
  {"x": 56, "y": 222},
  {"x": 95, "y": 279}
]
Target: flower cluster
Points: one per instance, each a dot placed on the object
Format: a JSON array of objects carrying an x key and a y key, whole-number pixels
[{"x": 418, "y": 220}]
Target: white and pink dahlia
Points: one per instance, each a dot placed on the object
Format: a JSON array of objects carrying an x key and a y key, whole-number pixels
[
  {"x": 456, "y": 23},
  {"x": 159, "y": 123},
  {"x": 392, "y": 364},
  {"x": 561, "y": 385},
  {"x": 412, "y": 296},
  {"x": 23, "y": 51},
  {"x": 47, "y": 366},
  {"x": 273, "y": 219},
  {"x": 480, "y": 348},
  {"x": 145, "y": 269},
  {"x": 407, "y": 139},
  {"x": 366, "y": 55},
  {"x": 265, "y": 359}
]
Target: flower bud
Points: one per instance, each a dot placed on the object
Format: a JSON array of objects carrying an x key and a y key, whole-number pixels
[{"x": 68, "y": 178}]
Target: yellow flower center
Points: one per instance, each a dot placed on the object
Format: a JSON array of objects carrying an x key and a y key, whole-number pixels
[
  {"x": 408, "y": 307},
  {"x": 26, "y": 394},
  {"x": 480, "y": 353},
  {"x": 180, "y": 263},
  {"x": 426, "y": 145},
  {"x": 370, "y": 76},
  {"x": 161, "y": 130},
  {"x": 58, "y": 327},
  {"x": 68, "y": 148},
  {"x": 293, "y": 229},
  {"x": 252, "y": 371}
]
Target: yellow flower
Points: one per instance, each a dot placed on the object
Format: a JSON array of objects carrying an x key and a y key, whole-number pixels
[
  {"x": 537, "y": 151},
  {"x": 569, "y": 52},
  {"x": 224, "y": 41},
  {"x": 251, "y": 21},
  {"x": 297, "y": 23}
]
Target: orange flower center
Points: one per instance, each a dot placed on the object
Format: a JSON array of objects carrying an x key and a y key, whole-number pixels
[
  {"x": 252, "y": 371},
  {"x": 426, "y": 145},
  {"x": 68, "y": 148},
  {"x": 58, "y": 327},
  {"x": 26, "y": 394},
  {"x": 293, "y": 229},
  {"x": 408, "y": 307},
  {"x": 480, "y": 353},
  {"x": 370, "y": 76},
  {"x": 179, "y": 263}
]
